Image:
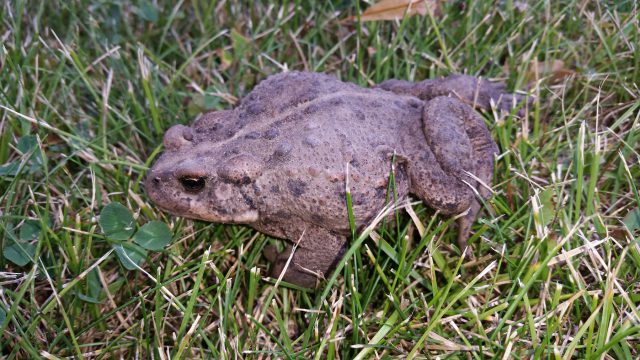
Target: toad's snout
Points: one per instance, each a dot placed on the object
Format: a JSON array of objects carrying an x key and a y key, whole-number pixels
[
  {"x": 156, "y": 184},
  {"x": 188, "y": 177}
]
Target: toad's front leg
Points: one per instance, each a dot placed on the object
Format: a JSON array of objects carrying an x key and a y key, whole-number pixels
[{"x": 316, "y": 255}]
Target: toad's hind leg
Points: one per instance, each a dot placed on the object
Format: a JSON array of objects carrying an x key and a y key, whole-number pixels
[
  {"x": 471, "y": 90},
  {"x": 458, "y": 143},
  {"x": 315, "y": 257}
]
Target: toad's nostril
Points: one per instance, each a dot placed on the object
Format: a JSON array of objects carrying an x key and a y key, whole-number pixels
[{"x": 156, "y": 181}]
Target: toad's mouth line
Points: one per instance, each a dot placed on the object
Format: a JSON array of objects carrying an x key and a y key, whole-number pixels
[{"x": 199, "y": 213}]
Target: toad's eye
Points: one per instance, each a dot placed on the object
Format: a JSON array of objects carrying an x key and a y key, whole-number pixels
[{"x": 192, "y": 184}]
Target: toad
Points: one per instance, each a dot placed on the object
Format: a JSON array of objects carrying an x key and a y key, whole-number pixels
[{"x": 278, "y": 162}]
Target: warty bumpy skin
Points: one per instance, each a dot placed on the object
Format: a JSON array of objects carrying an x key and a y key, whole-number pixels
[{"x": 277, "y": 162}]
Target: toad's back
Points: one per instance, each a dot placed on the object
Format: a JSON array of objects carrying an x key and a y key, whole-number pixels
[
  {"x": 301, "y": 111},
  {"x": 314, "y": 125}
]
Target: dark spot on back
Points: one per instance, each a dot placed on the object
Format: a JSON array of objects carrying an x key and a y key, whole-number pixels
[
  {"x": 231, "y": 152},
  {"x": 283, "y": 150},
  {"x": 317, "y": 218},
  {"x": 271, "y": 134},
  {"x": 401, "y": 174},
  {"x": 255, "y": 108},
  {"x": 296, "y": 117},
  {"x": 312, "y": 109},
  {"x": 336, "y": 102},
  {"x": 252, "y": 135},
  {"x": 311, "y": 141},
  {"x": 248, "y": 201},
  {"x": 303, "y": 97},
  {"x": 376, "y": 103},
  {"x": 358, "y": 198},
  {"x": 281, "y": 215},
  {"x": 297, "y": 187}
]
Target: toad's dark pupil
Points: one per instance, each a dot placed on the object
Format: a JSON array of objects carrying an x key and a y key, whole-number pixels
[{"x": 192, "y": 184}]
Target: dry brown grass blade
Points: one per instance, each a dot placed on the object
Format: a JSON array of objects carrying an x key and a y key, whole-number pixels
[
  {"x": 397, "y": 9},
  {"x": 554, "y": 71}
]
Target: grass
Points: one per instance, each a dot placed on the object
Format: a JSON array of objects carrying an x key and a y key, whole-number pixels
[{"x": 87, "y": 89}]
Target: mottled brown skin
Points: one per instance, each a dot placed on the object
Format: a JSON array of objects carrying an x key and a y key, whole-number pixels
[{"x": 278, "y": 161}]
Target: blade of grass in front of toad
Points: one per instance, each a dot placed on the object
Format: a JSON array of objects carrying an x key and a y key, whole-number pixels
[
  {"x": 440, "y": 309},
  {"x": 187, "y": 318}
]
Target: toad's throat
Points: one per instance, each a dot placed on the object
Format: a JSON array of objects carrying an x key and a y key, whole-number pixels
[
  {"x": 199, "y": 212},
  {"x": 236, "y": 217}
]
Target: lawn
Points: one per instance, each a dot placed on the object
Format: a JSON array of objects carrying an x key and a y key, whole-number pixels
[{"x": 87, "y": 89}]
